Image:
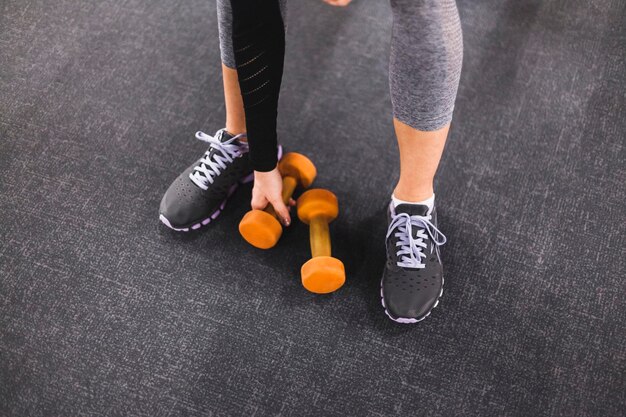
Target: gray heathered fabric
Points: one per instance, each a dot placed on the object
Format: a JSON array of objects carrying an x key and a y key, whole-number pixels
[
  {"x": 425, "y": 61},
  {"x": 424, "y": 64}
]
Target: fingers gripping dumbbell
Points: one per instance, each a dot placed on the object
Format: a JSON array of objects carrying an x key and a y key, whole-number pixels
[
  {"x": 261, "y": 228},
  {"x": 322, "y": 273}
]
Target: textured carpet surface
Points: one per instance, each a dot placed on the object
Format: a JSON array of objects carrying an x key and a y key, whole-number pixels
[{"x": 103, "y": 312}]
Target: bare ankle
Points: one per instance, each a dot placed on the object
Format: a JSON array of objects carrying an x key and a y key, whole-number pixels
[{"x": 236, "y": 130}]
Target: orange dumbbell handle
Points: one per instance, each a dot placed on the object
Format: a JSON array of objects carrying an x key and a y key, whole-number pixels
[
  {"x": 319, "y": 237},
  {"x": 289, "y": 186}
]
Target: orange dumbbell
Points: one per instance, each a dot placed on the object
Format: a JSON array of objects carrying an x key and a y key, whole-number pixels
[
  {"x": 322, "y": 273},
  {"x": 261, "y": 228}
]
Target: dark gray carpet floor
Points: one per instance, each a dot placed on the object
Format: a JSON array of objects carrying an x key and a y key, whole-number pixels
[{"x": 103, "y": 312}]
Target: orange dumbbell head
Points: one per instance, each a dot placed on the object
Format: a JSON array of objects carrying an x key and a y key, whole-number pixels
[
  {"x": 299, "y": 167},
  {"x": 317, "y": 203},
  {"x": 323, "y": 274},
  {"x": 260, "y": 229}
]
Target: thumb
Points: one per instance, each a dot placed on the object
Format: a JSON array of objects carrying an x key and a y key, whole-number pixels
[{"x": 281, "y": 210}]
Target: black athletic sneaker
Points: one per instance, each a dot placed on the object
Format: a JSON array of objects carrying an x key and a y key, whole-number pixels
[
  {"x": 200, "y": 193},
  {"x": 413, "y": 278}
]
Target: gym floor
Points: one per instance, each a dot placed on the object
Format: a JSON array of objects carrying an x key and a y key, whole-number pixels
[{"x": 104, "y": 312}]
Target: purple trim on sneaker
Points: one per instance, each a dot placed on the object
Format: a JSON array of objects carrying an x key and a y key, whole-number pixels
[
  {"x": 407, "y": 320},
  {"x": 247, "y": 178}
]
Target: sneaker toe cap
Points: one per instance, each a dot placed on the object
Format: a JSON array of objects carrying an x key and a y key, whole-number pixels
[
  {"x": 413, "y": 309},
  {"x": 182, "y": 204},
  {"x": 411, "y": 301}
]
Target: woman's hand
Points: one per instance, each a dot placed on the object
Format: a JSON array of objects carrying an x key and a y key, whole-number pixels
[
  {"x": 340, "y": 3},
  {"x": 268, "y": 188}
]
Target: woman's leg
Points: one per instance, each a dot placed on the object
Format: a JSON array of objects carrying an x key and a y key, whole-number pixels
[
  {"x": 235, "y": 115},
  {"x": 420, "y": 152},
  {"x": 424, "y": 71}
]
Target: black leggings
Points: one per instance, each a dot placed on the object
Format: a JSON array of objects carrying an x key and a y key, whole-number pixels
[{"x": 259, "y": 47}]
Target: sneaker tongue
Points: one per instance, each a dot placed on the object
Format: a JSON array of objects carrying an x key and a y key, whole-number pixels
[
  {"x": 412, "y": 209},
  {"x": 224, "y": 136}
]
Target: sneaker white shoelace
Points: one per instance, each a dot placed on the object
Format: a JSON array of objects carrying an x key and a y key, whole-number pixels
[
  {"x": 211, "y": 166},
  {"x": 411, "y": 249}
]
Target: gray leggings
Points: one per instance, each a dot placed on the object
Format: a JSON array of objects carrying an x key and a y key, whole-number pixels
[{"x": 425, "y": 60}]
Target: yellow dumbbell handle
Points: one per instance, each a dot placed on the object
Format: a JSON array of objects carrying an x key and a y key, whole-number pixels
[
  {"x": 289, "y": 186},
  {"x": 320, "y": 237}
]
